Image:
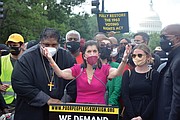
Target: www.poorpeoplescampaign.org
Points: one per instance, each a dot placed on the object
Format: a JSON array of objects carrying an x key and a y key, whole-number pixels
[{"x": 69, "y": 117}]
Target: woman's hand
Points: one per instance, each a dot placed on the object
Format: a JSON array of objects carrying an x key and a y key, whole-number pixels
[
  {"x": 46, "y": 53},
  {"x": 127, "y": 52}
]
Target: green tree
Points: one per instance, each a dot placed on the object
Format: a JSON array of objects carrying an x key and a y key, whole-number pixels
[
  {"x": 80, "y": 23},
  {"x": 154, "y": 41},
  {"x": 29, "y": 17},
  {"x": 93, "y": 26},
  {"x": 26, "y": 20}
]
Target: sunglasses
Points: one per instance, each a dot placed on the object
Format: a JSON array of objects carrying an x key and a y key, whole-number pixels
[
  {"x": 124, "y": 43},
  {"x": 168, "y": 37},
  {"x": 114, "y": 45},
  {"x": 138, "y": 55},
  {"x": 105, "y": 45}
]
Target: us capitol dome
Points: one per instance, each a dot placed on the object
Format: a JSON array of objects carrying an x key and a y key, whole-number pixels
[{"x": 150, "y": 23}]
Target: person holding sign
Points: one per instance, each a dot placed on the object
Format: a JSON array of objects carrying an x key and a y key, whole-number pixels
[
  {"x": 35, "y": 82},
  {"x": 91, "y": 76}
]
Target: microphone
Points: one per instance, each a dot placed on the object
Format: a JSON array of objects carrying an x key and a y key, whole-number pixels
[
  {"x": 106, "y": 96},
  {"x": 65, "y": 88},
  {"x": 4, "y": 50}
]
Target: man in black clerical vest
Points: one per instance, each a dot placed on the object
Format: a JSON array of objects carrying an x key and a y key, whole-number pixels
[{"x": 35, "y": 82}]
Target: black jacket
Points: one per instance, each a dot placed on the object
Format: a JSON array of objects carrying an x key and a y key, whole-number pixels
[
  {"x": 139, "y": 94},
  {"x": 30, "y": 82},
  {"x": 168, "y": 102}
]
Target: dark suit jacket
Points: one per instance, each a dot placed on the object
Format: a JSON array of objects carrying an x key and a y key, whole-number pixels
[{"x": 168, "y": 102}]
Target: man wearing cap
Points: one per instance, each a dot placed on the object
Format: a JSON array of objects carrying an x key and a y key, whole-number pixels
[
  {"x": 161, "y": 53},
  {"x": 15, "y": 43}
]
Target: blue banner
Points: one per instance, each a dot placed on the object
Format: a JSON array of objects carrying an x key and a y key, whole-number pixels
[{"x": 117, "y": 22}]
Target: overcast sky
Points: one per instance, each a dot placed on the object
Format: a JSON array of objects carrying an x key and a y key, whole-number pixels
[{"x": 168, "y": 10}]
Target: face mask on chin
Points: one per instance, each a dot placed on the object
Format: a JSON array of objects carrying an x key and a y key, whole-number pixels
[
  {"x": 52, "y": 50},
  {"x": 15, "y": 50},
  {"x": 73, "y": 46}
]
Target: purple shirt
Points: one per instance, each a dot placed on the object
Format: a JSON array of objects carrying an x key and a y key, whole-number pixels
[{"x": 95, "y": 91}]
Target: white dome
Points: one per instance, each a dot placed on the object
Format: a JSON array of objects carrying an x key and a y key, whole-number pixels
[
  {"x": 150, "y": 23},
  {"x": 152, "y": 15}
]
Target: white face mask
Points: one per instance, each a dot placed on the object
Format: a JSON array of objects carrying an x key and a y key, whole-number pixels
[
  {"x": 114, "y": 52},
  {"x": 52, "y": 50}
]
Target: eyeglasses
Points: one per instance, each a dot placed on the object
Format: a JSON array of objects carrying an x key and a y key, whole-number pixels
[
  {"x": 114, "y": 45},
  {"x": 168, "y": 37},
  {"x": 48, "y": 45},
  {"x": 71, "y": 39},
  {"x": 139, "y": 41},
  {"x": 138, "y": 55},
  {"x": 106, "y": 45},
  {"x": 125, "y": 43}
]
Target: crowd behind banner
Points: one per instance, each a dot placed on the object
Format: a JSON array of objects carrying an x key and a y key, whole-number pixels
[{"x": 143, "y": 84}]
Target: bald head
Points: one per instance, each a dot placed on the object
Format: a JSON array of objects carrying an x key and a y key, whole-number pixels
[
  {"x": 171, "y": 33},
  {"x": 99, "y": 36},
  {"x": 173, "y": 29},
  {"x": 113, "y": 40}
]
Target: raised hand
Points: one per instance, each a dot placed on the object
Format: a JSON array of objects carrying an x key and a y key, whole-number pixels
[{"x": 127, "y": 51}]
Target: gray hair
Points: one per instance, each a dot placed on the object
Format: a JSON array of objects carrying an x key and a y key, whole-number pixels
[{"x": 73, "y": 32}]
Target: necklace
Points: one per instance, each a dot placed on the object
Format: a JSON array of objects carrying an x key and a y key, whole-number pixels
[
  {"x": 89, "y": 79},
  {"x": 50, "y": 84},
  {"x": 90, "y": 76},
  {"x": 147, "y": 76}
]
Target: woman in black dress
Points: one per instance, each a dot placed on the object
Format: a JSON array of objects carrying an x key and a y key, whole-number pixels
[{"x": 139, "y": 86}]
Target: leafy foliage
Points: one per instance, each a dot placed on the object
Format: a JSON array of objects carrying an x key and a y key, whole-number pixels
[
  {"x": 93, "y": 26},
  {"x": 154, "y": 41},
  {"x": 29, "y": 17}
]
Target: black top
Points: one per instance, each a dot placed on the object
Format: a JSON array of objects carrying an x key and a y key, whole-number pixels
[
  {"x": 30, "y": 82},
  {"x": 168, "y": 97},
  {"x": 138, "y": 92},
  {"x": 157, "y": 61}
]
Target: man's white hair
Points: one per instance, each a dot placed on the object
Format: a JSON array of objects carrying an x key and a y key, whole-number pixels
[{"x": 73, "y": 32}]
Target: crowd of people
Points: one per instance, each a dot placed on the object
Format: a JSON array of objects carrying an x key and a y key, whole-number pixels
[{"x": 105, "y": 70}]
